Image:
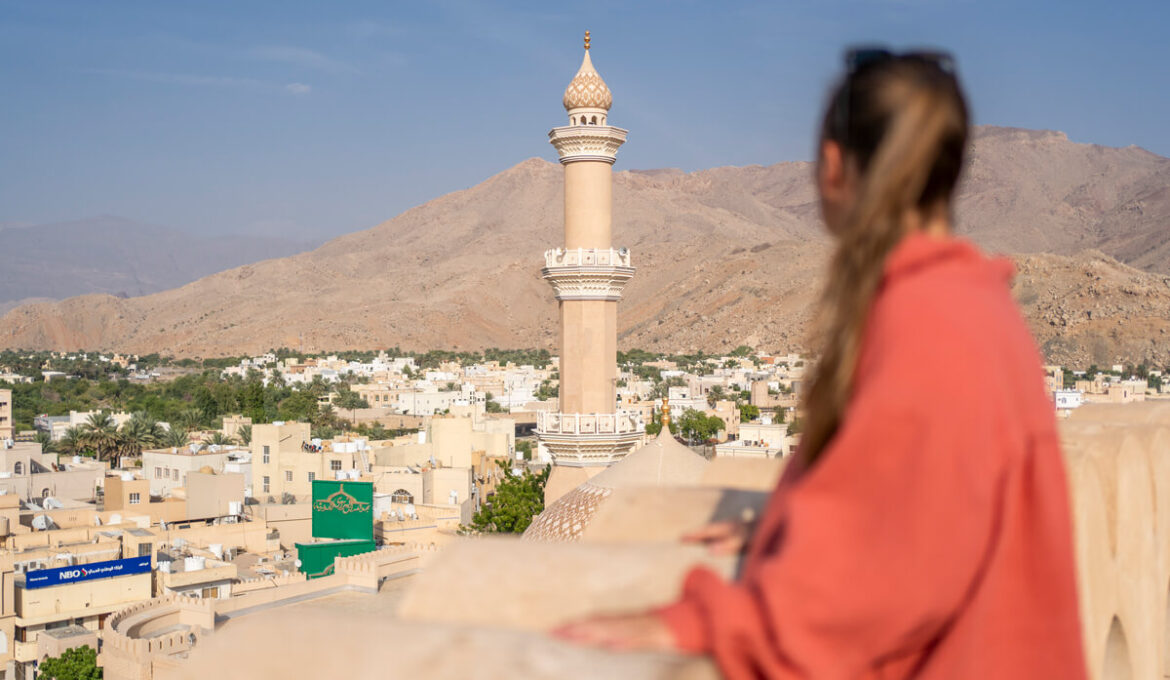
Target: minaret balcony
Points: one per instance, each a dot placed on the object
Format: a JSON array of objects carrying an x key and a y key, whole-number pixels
[
  {"x": 587, "y": 439},
  {"x": 619, "y": 422},
  {"x": 587, "y": 273},
  {"x": 587, "y": 257},
  {"x": 587, "y": 142}
]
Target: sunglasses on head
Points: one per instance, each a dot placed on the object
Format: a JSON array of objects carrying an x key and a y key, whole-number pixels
[{"x": 860, "y": 58}]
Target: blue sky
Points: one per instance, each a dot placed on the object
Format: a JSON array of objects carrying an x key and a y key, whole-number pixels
[{"x": 314, "y": 119}]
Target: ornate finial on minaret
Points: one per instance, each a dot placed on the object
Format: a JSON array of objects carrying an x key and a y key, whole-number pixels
[
  {"x": 586, "y": 39},
  {"x": 666, "y": 413}
]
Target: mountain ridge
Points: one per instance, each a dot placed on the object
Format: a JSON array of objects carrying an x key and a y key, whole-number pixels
[
  {"x": 121, "y": 257},
  {"x": 725, "y": 256}
]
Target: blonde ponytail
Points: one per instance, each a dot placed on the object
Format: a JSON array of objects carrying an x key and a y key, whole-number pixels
[{"x": 902, "y": 175}]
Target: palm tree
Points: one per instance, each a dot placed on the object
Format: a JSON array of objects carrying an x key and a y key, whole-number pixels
[
  {"x": 101, "y": 435},
  {"x": 190, "y": 419},
  {"x": 126, "y": 446},
  {"x": 325, "y": 417},
  {"x": 72, "y": 442},
  {"x": 218, "y": 439},
  {"x": 244, "y": 434},
  {"x": 143, "y": 429},
  {"x": 175, "y": 438},
  {"x": 47, "y": 443}
]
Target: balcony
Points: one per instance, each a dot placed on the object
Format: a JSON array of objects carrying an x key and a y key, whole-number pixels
[
  {"x": 586, "y": 257},
  {"x": 622, "y": 422},
  {"x": 588, "y": 273}
]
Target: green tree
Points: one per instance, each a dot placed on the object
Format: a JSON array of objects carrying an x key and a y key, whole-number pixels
[
  {"x": 698, "y": 426},
  {"x": 299, "y": 405},
  {"x": 218, "y": 439},
  {"x": 742, "y": 351},
  {"x": 491, "y": 404},
  {"x": 351, "y": 401},
  {"x": 175, "y": 437},
  {"x": 79, "y": 663},
  {"x": 662, "y": 389},
  {"x": 654, "y": 427},
  {"x": 716, "y": 393},
  {"x": 142, "y": 429},
  {"x": 517, "y": 499},
  {"x": 524, "y": 447},
  {"x": 72, "y": 443},
  {"x": 100, "y": 435},
  {"x": 47, "y": 443},
  {"x": 244, "y": 434},
  {"x": 748, "y": 412},
  {"x": 189, "y": 419}
]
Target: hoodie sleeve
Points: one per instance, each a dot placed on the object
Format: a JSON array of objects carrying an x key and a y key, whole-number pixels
[{"x": 882, "y": 541}]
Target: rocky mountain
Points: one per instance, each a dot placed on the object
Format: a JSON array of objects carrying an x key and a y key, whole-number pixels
[
  {"x": 725, "y": 256},
  {"x": 119, "y": 257}
]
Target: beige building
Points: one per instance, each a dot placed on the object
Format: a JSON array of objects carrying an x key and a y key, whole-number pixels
[
  {"x": 167, "y": 469},
  {"x": 7, "y": 426},
  {"x": 759, "y": 440},
  {"x": 129, "y": 494},
  {"x": 285, "y": 460},
  {"x": 233, "y": 424},
  {"x": 451, "y": 442},
  {"x": 31, "y": 475},
  {"x": 84, "y": 603}
]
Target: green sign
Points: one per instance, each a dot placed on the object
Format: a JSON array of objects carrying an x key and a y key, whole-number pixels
[
  {"x": 343, "y": 509},
  {"x": 317, "y": 558}
]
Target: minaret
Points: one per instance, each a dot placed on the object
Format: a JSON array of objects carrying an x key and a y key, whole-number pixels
[{"x": 588, "y": 274}]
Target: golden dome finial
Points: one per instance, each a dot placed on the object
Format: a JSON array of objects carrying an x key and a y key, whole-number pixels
[
  {"x": 666, "y": 413},
  {"x": 586, "y": 39}
]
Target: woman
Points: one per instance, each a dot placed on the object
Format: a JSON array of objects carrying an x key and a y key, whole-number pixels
[{"x": 922, "y": 529}]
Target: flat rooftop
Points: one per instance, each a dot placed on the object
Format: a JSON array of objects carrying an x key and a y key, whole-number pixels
[{"x": 67, "y": 632}]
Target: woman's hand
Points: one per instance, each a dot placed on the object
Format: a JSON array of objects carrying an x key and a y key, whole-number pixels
[
  {"x": 626, "y": 632},
  {"x": 722, "y": 538}
]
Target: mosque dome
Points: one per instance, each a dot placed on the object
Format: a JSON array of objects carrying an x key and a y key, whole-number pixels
[
  {"x": 587, "y": 90},
  {"x": 662, "y": 462}
]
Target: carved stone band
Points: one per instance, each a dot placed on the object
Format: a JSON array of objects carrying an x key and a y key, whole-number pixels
[{"x": 587, "y": 142}]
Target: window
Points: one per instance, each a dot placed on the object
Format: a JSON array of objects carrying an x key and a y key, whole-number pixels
[
  {"x": 335, "y": 465},
  {"x": 288, "y": 475},
  {"x": 135, "y": 498},
  {"x": 18, "y": 469},
  {"x": 267, "y": 484},
  {"x": 312, "y": 477},
  {"x": 175, "y": 474},
  {"x": 265, "y": 453},
  {"x": 401, "y": 496},
  {"x": 44, "y": 493},
  {"x": 158, "y": 473}
]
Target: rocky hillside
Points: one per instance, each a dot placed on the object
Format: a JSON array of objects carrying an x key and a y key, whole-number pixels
[{"x": 725, "y": 256}]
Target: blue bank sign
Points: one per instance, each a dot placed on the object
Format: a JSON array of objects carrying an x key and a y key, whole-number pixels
[{"x": 86, "y": 572}]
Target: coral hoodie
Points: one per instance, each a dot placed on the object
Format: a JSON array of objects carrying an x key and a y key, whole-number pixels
[{"x": 932, "y": 539}]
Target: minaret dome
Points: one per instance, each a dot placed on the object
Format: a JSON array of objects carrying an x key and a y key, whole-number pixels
[{"x": 587, "y": 98}]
